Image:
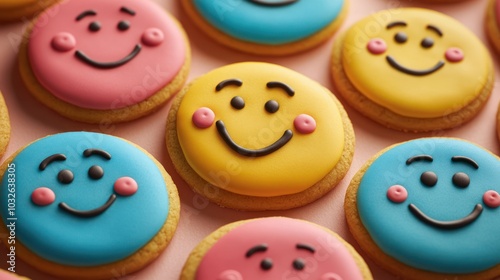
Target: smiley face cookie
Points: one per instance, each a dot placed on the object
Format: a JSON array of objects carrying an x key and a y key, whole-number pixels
[
  {"x": 268, "y": 27},
  {"x": 428, "y": 209},
  {"x": 87, "y": 206},
  {"x": 104, "y": 61},
  {"x": 11, "y": 10},
  {"x": 492, "y": 23},
  {"x": 274, "y": 248},
  {"x": 258, "y": 136},
  {"x": 413, "y": 70}
]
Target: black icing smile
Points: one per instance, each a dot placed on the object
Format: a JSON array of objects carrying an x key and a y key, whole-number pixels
[
  {"x": 108, "y": 65},
  {"x": 273, "y": 3},
  {"x": 221, "y": 128},
  {"x": 478, "y": 209},
  {"x": 89, "y": 213},
  {"x": 392, "y": 62}
]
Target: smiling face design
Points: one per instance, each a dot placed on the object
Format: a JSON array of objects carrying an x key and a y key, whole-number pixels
[
  {"x": 83, "y": 196},
  {"x": 415, "y": 62},
  {"x": 270, "y": 22},
  {"x": 105, "y": 54},
  {"x": 434, "y": 204},
  {"x": 259, "y": 129},
  {"x": 294, "y": 250}
]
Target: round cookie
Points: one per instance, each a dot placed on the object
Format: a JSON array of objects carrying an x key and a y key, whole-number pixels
[
  {"x": 413, "y": 70},
  {"x": 86, "y": 206},
  {"x": 258, "y": 136},
  {"x": 268, "y": 27},
  {"x": 11, "y": 10},
  {"x": 104, "y": 61},
  {"x": 274, "y": 248},
  {"x": 429, "y": 209},
  {"x": 492, "y": 23},
  {"x": 4, "y": 126}
]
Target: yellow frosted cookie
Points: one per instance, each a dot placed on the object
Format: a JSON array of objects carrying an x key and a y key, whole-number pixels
[
  {"x": 11, "y": 10},
  {"x": 268, "y": 27},
  {"x": 274, "y": 248},
  {"x": 412, "y": 70},
  {"x": 258, "y": 136},
  {"x": 81, "y": 205},
  {"x": 4, "y": 126},
  {"x": 492, "y": 23}
]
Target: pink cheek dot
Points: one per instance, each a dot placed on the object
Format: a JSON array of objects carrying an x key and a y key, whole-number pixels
[
  {"x": 203, "y": 117},
  {"x": 454, "y": 55},
  {"x": 330, "y": 276},
  {"x": 397, "y": 194},
  {"x": 304, "y": 124},
  {"x": 125, "y": 186},
  {"x": 491, "y": 199},
  {"x": 152, "y": 37},
  {"x": 43, "y": 196},
  {"x": 377, "y": 46},
  {"x": 63, "y": 42},
  {"x": 230, "y": 275}
]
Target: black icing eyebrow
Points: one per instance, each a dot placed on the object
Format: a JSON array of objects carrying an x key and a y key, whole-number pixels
[
  {"x": 255, "y": 249},
  {"x": 435, "y": 29},
  {"x": 465, "y": 160},
  {"x": 48, "y": 160},
  {"x": 396, "y": 23},
  {"x": 127, "y": 11},
  {"x": 97, "y": 152},
  {"x": 85, "y": 14},
  {"x": 306, "y": 247},
  {"x": 419, "y": 158},
  {"x": 283, "y": 86},
  {"x": 228, "y": 82}
]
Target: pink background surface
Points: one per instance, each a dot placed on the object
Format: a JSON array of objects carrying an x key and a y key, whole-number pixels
[{"x": 30, "y": 121}]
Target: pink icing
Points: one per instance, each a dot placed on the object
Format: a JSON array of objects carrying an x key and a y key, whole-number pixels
[
  {"x": 230, "y": 275},
  {"x": 331, "y": 276},
  {"x": 454, "y": 55},
  {"x": 54, "y": 43},
  {"x": 43, "y": 196},
  {"x": 491, "y": 199},
  {"x": 125, "y": 186},
  {"x": 228, "y": 256},
  {"x": 305, "y": 124},
  {"x": 376, "y": 46},
  {"x": 397, "y": 194},
  {"x": 203, "y": 117}
]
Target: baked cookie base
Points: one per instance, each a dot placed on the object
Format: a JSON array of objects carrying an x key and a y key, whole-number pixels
[
  {"x": 93, "y": 116},
  {"x": 251, "y": 203},
  {"x": 383, "y": 260},
  {"x": 261, "y": 49},
  {"x": 144, "y": 256},
  {"x": 395, "y": 121},
  {"x": 24, "y": 12}
]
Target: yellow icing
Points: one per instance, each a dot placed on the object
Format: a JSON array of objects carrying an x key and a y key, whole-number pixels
[
  {"x": 443, "y": 92},
  {"x": 298, "y": 165}
]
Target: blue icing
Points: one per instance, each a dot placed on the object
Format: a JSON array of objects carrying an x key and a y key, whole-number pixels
[
  {"x": 256, "y": 23},
  {"x": 56, "y": 235},
  {"x": 400, "y": 234}
]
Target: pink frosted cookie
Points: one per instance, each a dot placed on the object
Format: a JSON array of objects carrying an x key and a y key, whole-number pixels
[
  {"x": 104, "y": 61},
  {"x": 274, "y": 248}
]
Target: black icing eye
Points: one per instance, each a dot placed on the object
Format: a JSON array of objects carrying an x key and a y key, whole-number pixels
[
  {"x": 461, "y": 180},
  {"x": 429, "y": 178},
  {"x": 65, "y": 176},
  {"x": 427, "y": 43},
  {"x": 266, "y": 264},
  {"x": 299, "y": 264},
  {"x": 96, "y": 172},
  {"x": 401, "y": 37},
  {"x": 272, "y": 106},
  {"x": 94, "y": 26},
  {"x": 123, "y": 25},
  {"x": 238, "y": 103}
]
